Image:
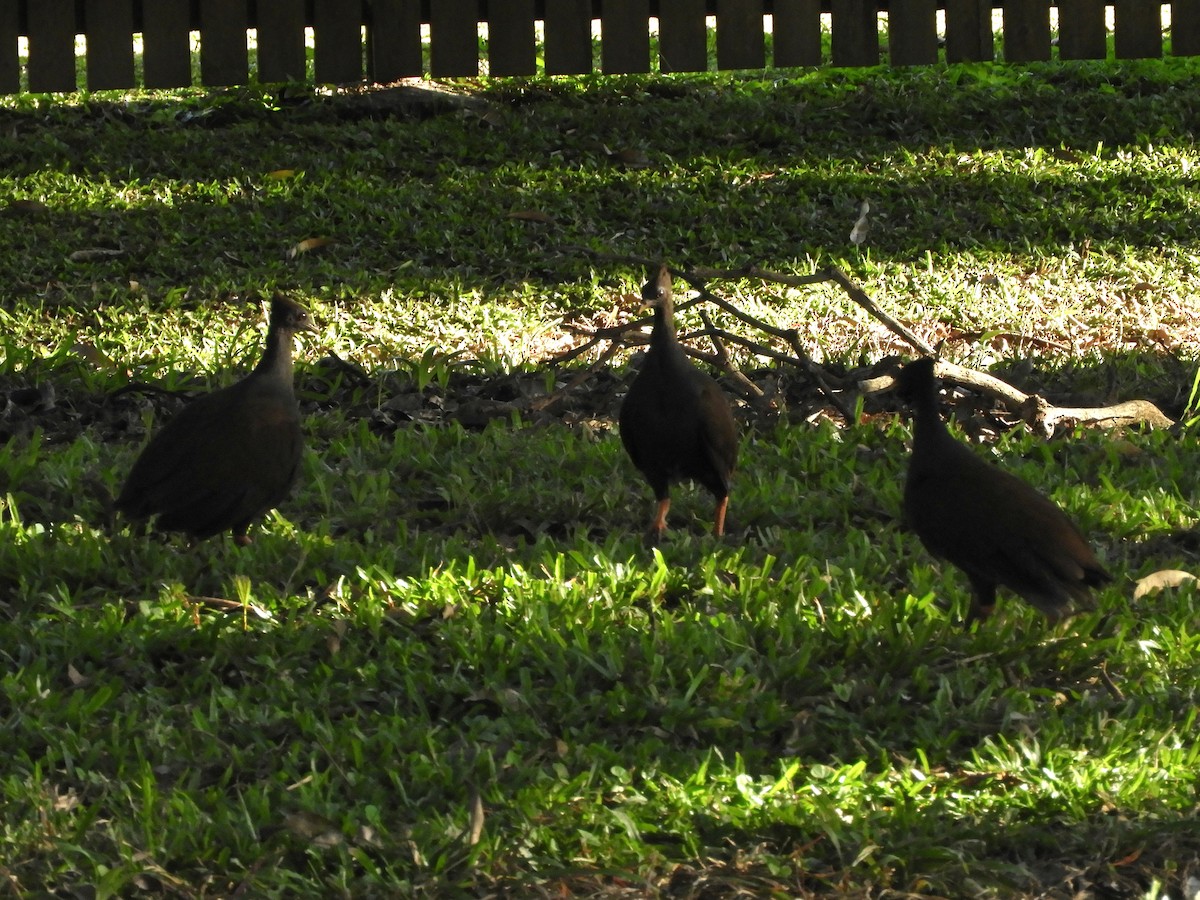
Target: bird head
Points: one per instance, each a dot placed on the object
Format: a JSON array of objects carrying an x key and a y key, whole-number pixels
[
  {"x": 657, "y": 291},
  {"x": 290, "y": 315},
  {"x": 915, "y": 379}
]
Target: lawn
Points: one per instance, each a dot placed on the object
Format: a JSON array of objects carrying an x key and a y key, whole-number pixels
[{"x": 447, "y": 665}]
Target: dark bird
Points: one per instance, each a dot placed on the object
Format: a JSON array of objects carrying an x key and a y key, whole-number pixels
[
  {"x": 229, "y": 457},
  {"x": 987, "y": 522},
  {"x": 675, "y": 422}
]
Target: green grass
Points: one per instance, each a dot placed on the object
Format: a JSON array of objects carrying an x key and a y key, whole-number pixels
[{"x": 452, "y": 629}]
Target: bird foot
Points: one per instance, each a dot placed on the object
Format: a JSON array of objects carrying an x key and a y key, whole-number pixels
[
  {"x": 654, "y": 536},
  {"x": 977, "y": 615}
]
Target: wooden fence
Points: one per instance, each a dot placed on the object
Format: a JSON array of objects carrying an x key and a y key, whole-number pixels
[{"x": 383, "y": 40}]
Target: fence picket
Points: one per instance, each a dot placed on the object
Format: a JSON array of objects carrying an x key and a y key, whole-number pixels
[
  {"x": 109, "y": 44},
  {"x": 796, "y": 32},
  {"x": 625, "y": 36},
  {"x": 338, "y": 44},
  {"x": 10, "y": 60},
  {"x": 52, "y": 45},
  {"x": 224, "y": 58},
  {"x": 969, "y": 31},
  {"x": 281, "y": 53},
  {"x": 1137, "y": 29},
  {"x": 453, "y": 38},
  {"x": 912, "y": 32},
  {"x": 394, "y": 40},
  {"x": 855, "y": 37},
  {"x": 512, "y": 41},
  {"x": 740, "y": 37},
  {"x": 1185, "y": 27},
  {"x": 1026, "y": 30},
  {"x": 568, "y": 37},
  {"x": 1082, "y": 32},
  {"x": 682, "y": 36},
  {"x": 394, "y": 49},
  {"x": 166, "y": 44}
]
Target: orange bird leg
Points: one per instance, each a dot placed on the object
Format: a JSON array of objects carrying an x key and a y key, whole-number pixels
[
  {"x": 719, "y": 517},
  {"x": 660, "y": 522}
]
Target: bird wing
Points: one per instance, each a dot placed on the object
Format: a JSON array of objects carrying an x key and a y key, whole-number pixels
[
  {"x": 998, "y": 528},
  {"x": 718, "y": 433},
  {"x": 227, "y": 457}
]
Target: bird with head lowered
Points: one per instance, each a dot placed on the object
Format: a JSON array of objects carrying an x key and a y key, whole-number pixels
[
  {"x": 996, "y": 528},
  {"x": 676, "y": 423},
  {"x": 228, "y": 457}
]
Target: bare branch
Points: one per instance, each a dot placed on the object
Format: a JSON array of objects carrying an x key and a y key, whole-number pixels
[
  {"x": 549, "y": 400},
  {"x": 748, "y": 387}
]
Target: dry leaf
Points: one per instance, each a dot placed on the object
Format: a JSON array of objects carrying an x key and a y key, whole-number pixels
[
  {"x": 74, "y": 676},
  {"x": 530, "y": 215},
  {"x": 1157, "y": 581},
  {"x": 94, "y": 253},
  {"x": 317, "y": 830},
  {"x": 28, "y": 207},
  {"x": 858, "y": 234},
  {"x": 630, "y": 156},
  {"x": 1130, "y": 859},
  {"x": 1126, "y": 449},
  {"x": 90, "y": 355},
  {"x": 308, "y": 245},
  {"x": 476, "y": 820}
]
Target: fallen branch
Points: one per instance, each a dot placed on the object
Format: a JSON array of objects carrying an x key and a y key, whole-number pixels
[{"x": 1035, "y": 410}]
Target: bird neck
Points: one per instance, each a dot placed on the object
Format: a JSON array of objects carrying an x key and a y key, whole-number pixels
[
  {"x": 663, "y": 334},
  {"x": 276, "y": 360},
  {"x": 928, "y": 427}
]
